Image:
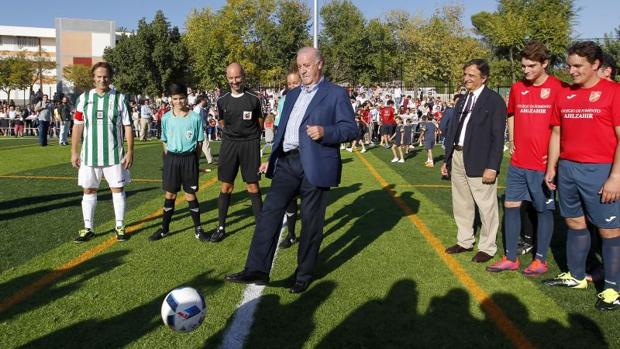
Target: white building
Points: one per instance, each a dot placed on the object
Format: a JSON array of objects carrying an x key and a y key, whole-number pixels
[
  {"x": 73, "y": 41},
  {"x": 32, "y": 42}
]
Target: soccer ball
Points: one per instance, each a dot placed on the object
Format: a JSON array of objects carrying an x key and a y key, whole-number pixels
[{"x": 183, "y": 309}]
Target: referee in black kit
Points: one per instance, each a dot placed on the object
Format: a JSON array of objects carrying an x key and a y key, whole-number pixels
[{"x": 241, "y": 117}]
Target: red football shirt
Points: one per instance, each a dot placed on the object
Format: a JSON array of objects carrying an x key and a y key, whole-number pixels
[
  {"x": 366, "y": 116},
  {"x": 387, "y": 116},
  {"x": 587, "y": 117},
  {"x": 531, "y": 107}
]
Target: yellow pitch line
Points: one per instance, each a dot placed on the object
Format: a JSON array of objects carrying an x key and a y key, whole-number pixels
[
  {"x": 488, "y": 305},
  {"x": 73, "y": 178},
  {"x": 49, "y": 278}
]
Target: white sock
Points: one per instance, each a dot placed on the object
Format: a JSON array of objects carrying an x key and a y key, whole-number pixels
[
  {"x": 118, "y": 200},
  {"x": 89, "y": 202}
]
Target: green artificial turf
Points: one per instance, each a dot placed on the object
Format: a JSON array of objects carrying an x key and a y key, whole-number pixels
[{"x": 379, "y": 284}]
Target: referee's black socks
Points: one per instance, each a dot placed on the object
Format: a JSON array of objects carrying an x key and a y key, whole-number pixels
[
  {"x": 223, "y": 201},
  {"x": 257, "y": 203},
  {"x": 194, "y": 210},
  {"x": 168, "y": 212}
]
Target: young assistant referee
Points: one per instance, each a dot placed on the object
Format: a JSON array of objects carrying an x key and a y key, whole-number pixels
[{"x": 182, "y": 137}]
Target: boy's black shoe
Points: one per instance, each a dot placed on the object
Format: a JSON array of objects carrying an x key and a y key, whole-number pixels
[
  {"x": 218, "y": 235},
  {"x": 524, "y": 247},
  {"x": 201, "y": 235},
  {"x": 159, "y": 234},
  {"x": 287, "y": 242}
]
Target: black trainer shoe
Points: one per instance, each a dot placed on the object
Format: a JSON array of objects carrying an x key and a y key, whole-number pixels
[
  {"x": 287, "y": 242},
  {"x": 609, "y": 299},
  {"x": 84, "y": 235},
  {"x": 524, "y": 248},
  {"x": 201, "y": 235},
  {"x": 159, "y": 234},
  {"x": 218, "y": 235},
  {"x": 121, "y": 235},
  {"x": 566, "y": 280}
]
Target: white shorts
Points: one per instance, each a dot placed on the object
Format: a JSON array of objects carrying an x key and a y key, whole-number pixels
[{"x": 116, "y": 176}]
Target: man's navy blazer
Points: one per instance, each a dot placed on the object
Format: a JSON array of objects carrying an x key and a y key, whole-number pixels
[
  {"x": 484, "y": 138},
  {"x": 331, "y": 108}
]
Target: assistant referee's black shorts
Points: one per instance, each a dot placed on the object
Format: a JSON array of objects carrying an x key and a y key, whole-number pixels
[
  {"x": 180, "y": 170},
  {"x": 235, "y": 154}
]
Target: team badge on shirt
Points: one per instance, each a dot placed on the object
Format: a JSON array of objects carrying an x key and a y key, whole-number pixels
[
  {"x": 545, "y": 93},
  {"x": 595, "y": 96},
  {"x": 247, "y": 115},
  {"x": 189, "y": 134}
]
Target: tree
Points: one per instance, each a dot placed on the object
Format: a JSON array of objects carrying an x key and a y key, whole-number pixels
[
  {"x": 516, "y": 22},
  {"x": 437, "y": 47},
  {"x": 16, "y": 73},
  {"x": 148, "y": 60},
  {"x": 262, "y": 35},
  {"x": 79, "y": 75},
  {"x": 207, "y": 52},
  {"x": 342, "y": 41},
  {"x": 40, "y": 64},
  {"x": 611, "y": 45},
  {"x": 292, "y": 25},
  {"x": 381, "y": 60}
]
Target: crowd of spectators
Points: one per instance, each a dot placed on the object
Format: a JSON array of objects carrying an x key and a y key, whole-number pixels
[{"x": 413, "y": 108}]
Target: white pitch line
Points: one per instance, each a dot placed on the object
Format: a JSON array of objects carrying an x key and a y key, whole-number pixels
[{"x": 235, "y": 335}]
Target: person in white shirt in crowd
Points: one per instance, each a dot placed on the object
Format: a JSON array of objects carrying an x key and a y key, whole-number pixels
[{"x": 146, "y": 115}]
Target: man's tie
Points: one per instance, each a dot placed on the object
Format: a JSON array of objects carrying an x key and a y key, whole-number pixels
[{"x": 463, "y": 116}]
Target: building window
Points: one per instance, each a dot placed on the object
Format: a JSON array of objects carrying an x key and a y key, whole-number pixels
[{"x": 27, "y": 42}]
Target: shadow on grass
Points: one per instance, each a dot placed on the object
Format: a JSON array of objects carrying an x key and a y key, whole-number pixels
[
  {"x": 278, "y": 325},
  {"x": 122, "y": 329},
  {"x": 370, "y": 221},
  {"x": 51, "y": 291},
  {"x": 182, "y": 212},
  {"x": 394, "y": 322},
  {"x": 34, "y": 205}
]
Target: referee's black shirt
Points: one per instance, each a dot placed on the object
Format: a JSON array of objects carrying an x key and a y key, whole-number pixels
[{"x": 240, "y": 115}]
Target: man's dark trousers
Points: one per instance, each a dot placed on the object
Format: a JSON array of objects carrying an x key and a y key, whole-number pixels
[
  {"x": 289, "y": 181},
  {"x": 43, "y": 127}
]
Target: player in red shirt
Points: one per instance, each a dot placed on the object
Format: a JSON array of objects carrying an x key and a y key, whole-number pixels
[
  {"x": 585, "y": 139},
  {"x": 367, "y": 120},
  {"x": 388, "y": 124},
  {"x": 529, "y": 111}
]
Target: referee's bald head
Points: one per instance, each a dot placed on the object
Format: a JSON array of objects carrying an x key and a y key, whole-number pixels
[{"x": 235, "y": 68}]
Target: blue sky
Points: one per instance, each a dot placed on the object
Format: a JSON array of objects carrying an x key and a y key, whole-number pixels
[{"x": 595, "y": 17}]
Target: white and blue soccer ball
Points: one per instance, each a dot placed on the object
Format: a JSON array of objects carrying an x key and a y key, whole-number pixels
[{"x": 183, "y": 309}]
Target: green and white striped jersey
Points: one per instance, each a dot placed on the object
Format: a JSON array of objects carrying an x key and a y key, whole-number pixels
[{"x": 103, "y": 118}]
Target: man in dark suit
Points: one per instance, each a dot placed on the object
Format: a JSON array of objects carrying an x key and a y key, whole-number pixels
[
  {"x": 474, "y": 150},
  {"x": 316, "y": 118}
]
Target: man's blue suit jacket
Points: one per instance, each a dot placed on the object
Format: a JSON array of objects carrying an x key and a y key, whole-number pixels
[{"x": 330, "y": 107}]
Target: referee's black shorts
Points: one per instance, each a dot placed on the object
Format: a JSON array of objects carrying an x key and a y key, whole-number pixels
[
  {"x": 235, "y": 154},
  {"x": 180, "y": 170}
]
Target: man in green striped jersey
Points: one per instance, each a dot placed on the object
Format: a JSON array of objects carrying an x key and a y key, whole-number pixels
[{"x": 101, "y": 121}]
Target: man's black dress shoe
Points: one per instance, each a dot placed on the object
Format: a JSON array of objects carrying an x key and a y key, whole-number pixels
[
  {"x": 299, "y": 287},
  {"x": 481, "y": 257},
  {"x": 458, "y": 249},
  {"x": 248, "y": 277}
]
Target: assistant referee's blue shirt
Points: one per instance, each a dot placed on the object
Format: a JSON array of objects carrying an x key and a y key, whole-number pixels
[{"x": 181, "y": 133}]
